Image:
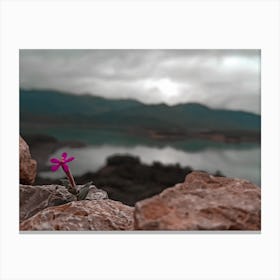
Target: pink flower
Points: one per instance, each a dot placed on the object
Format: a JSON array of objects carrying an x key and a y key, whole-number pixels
[{"x": 61, "y": 162}]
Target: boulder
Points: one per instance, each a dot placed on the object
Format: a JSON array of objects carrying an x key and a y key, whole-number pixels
[
  {"x": 28, "y": 165},
  {"x": 202, "y": 202},
  {"x": 36, "y": 198},
  {"x": 82, "y": 215}
]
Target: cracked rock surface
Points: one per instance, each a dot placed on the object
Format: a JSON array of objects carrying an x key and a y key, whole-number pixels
[{"x": 202, "y": 202}]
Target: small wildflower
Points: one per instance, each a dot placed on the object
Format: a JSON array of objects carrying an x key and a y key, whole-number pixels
[
  {"x": 72, "y": 188},
  {"x": 62, "y": 162}
]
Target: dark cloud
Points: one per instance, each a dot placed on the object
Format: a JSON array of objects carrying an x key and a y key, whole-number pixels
[{"x": 217, "y": 78}]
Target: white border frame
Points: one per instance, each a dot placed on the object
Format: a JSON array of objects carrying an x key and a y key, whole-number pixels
[{"x": 154, "y": 24}]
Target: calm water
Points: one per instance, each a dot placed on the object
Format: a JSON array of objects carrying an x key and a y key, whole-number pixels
[{"x": 233, "y": 160}]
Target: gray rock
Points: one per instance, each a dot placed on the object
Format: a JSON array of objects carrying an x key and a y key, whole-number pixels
[
  {"x": 94, "y": 193},
  {"x": 36, "y": 198}
]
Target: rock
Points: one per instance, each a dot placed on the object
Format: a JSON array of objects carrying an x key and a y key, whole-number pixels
[
  {"x": 83, "y": 215},
  {"x": 94, "y": 193},
  {"x": 202, "y": 202},
  {"x": 36, "y": 198},
  {"x": 28, "y": 165}
]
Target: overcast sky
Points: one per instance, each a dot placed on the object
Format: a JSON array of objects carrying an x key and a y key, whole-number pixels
[{"x": 217, "y": 78}]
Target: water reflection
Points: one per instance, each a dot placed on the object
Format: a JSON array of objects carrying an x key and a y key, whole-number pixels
[{"x": 241, "y": 163}]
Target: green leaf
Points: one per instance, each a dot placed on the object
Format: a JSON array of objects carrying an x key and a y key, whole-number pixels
[
  {"x": 73, "y": 191},
  {"x": 66, "y": 184},
  {"x": 84, "y": 191}
]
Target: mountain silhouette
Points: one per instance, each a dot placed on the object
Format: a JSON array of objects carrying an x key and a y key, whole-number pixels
[{"x": 53, "y": 107}]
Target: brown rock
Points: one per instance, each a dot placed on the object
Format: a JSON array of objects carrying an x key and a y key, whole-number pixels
[
  {"x": 83, "y": 215},
  {"x": 28, "y": 165},
  {"x": 202, "y": 202},
  {"x": 36, "y": 198}
]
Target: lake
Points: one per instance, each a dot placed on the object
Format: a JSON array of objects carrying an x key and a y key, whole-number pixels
[{"x": 232, "y": 160}]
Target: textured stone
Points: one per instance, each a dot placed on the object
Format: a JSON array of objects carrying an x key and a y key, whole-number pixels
[
  {"x": 95, "y": 193},
  {"x": 28, "y": 165},
  {"x": 202, "y": 202},
  {"x": 82, "y": 215},
  {"x": 36, "y": 198}
]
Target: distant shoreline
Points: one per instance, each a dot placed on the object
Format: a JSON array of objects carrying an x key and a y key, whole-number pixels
[{"x": 215, "y": 136}]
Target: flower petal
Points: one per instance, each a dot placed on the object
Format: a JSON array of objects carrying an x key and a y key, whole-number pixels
[
  {"x": 69, "y": 159},
  {"x": 54, "y": 160},
  {"x": 55, "y": 167},
  {"x": 65, "y": 167},
  {"x": 64, "y": 155}
]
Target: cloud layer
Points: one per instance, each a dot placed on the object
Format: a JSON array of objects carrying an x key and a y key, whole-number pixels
[{"x": 217, "y": 78}]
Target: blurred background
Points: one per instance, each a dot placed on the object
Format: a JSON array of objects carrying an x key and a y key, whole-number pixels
[{"x": 139, "y": 121}]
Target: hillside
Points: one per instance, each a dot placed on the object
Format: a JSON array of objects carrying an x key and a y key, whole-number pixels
[{"x": 57, "y": 108}]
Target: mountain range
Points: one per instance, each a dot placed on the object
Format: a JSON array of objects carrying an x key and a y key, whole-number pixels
[{"x": 58, "y": 108}]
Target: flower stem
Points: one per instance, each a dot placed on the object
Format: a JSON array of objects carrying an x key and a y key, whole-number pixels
[{"x": 71, "y": 180}]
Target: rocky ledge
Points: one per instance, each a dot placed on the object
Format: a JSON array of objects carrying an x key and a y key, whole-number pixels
[{"x": 201, "y": 202}]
